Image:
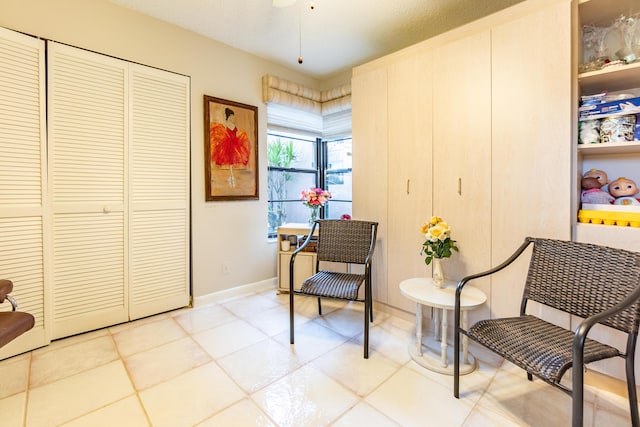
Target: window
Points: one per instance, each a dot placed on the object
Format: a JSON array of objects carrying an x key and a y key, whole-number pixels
[{"x": 296, "y": 163}]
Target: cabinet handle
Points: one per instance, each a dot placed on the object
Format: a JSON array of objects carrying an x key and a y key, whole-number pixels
[
  {"x": 459, "y": 186},
  {"x": 408, "y": 181}
]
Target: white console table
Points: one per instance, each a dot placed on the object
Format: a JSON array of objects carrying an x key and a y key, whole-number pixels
[{"x": 423, "y": 292}]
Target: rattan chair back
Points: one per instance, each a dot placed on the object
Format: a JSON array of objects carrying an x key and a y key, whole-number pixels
[
  {"x": 584, "y": 279},
  {"x": 348, "y": 241}
]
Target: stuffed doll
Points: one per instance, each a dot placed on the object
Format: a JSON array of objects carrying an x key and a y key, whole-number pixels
[
  {"x": 624, "y": 190},
  {"x": 592, "y": 192},
  {"x": 600, "y": 175}
]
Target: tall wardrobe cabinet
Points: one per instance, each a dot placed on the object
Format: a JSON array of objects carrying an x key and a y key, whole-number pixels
[{"x": 483, "y": 124}]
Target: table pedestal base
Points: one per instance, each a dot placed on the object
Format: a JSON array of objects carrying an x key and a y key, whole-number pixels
[{"x": 431, "y": 358}]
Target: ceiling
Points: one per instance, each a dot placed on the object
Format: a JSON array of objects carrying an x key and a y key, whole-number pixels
[{"x": 332, "y": 38}]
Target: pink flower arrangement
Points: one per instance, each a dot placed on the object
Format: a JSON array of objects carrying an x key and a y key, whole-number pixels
[
  {"x": 314, "y": 197},
  {"x": 345, "y": 216}
]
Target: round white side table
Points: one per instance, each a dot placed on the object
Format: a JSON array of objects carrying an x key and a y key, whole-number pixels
[{"x": 442, "y": 300}]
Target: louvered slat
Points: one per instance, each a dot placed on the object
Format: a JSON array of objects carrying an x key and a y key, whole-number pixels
[
  {"x": 87, "y": 128},
  {"x": 159, "y": 138},
  {"x": 20, "y": 121},
  {"x": 22, "y": 180}
]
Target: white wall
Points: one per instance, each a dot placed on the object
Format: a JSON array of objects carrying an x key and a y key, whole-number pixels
[{"x": 232, "y": 232}]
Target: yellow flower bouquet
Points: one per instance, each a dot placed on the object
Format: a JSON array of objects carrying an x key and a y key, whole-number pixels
[{"x": 438, "y": 243}]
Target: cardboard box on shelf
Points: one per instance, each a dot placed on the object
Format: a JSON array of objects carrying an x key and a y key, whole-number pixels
[{"x": 606, "y": 109}]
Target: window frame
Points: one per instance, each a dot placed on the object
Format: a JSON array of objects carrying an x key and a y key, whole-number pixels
[{"x": 321, "y": 170}]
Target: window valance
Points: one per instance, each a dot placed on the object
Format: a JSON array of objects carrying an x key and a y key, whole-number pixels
[{"x": 294, "y": 106}]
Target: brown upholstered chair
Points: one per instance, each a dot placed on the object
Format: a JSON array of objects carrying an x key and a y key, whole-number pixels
[
  {"x": 596, "y": 283},
  {"x": 339, "y": 241},
  {"x": 12, "y": 323}
]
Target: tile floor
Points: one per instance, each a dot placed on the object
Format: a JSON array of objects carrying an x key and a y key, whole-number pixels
[{"x": 230, "y": 364}]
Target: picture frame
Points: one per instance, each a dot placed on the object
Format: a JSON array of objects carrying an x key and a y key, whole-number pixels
[{"x": 230, "y": 150}]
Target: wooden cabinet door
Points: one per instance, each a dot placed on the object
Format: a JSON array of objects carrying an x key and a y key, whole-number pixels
[
  {"x": 462, "y": 152},
  {"x": 158, "y": 147},
  {"x": 409, "y": 169},
  {"x": 23, "y": 227},
  {"x": 370, "y": 164},
  {"x": 87, "y": 128},
  {"x": 532, "y": 137}
]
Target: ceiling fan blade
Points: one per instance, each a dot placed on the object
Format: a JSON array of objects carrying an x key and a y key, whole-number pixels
[{"x": 283, "y": 3}]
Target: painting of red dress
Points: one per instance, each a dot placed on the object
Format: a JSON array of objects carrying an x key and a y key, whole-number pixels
[{"x": 231, "y": 150}]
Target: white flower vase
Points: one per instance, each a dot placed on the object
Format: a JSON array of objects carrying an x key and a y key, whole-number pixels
[{"x": 438, "y": 273}]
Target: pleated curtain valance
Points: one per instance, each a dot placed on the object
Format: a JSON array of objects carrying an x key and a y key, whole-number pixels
[{"x": 292, "y": 106}]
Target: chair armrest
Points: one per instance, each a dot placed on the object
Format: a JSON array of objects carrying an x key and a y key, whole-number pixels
[
  {"x": 507, "y": 262},
  {"x": 6, "y": 286},
  {"x": 585, "y": 326},
  {"x": 293, "y": 256}
]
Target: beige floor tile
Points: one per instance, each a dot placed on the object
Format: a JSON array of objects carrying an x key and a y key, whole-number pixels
[
  {"x": 604, "y": 418},
  {"x": 482, "y": 417},
  {"x": 259, "y": 365},
  {"x": 410, "y": 399},
  {"x": 364, "y": 415},
  {"x": 243, "y": 413},
  {"x": 12, "y": 410},
  {"x": 389, "y": 340},
  {"x": 274, "y": 295},
  {"x": 348, "y": 321},
  {"x": 72, "y": 340},
  {"x": 190, "y": 398},
  {"x": 161, "y": 363},
  {"x": 77, "y": 395},
  {"x": 123, "y": 413},
  {"x": 205, "y": 317},
  {"x": 14, "y": 375},
  {"x": 275, "y": 320},
  {"x": 308, "y": 306},
  {"x": 305, "y": 397},
  {"x": 228, "y": 338},
  {"x": 246, "y": 305},
  {"x": 511, "y": 395},
  {"x": 472, "y": 385},
  {"x": 230, "y": 364},
  {"x": 146, "y": 335},
  {"x": 346, "y": 365},
  {"x": 138, "y": 323},
  {"x": 311, "y": 340},
  {"x": 68, "y": 360}
]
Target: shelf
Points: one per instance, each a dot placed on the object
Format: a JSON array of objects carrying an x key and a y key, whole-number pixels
[
  {"x": 601, "y": 12},
  {"x": 611, "y": 79},
  {"x": 610, "y": 148}
]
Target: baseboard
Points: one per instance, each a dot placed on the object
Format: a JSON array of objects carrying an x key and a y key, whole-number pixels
[{"x": 256, "y": 287}]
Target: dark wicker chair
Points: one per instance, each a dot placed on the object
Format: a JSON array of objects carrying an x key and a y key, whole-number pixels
[
  {"x": 12, "y": 323},
  {"x": 341, "y": 241},
  {"x": 595, "y": 283}
]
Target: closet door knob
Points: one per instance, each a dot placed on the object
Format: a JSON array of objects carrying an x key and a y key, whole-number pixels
[{"x": 106, "y": 209}]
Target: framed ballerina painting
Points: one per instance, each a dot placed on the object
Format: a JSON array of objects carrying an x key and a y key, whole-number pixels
[{"x": 230, "y": 150}]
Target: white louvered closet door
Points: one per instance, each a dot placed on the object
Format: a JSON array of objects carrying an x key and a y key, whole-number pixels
[
  {"x": 87, "y": 127},
  {"x": 23, "y": 181},
  {"x": 159, "y": 188}
]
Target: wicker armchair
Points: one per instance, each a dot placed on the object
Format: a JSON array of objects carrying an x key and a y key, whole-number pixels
[
  {"x": 341, "y": 241},
  {"x": 12, "y": 323},
  {"x": 595, "y": 283}
]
